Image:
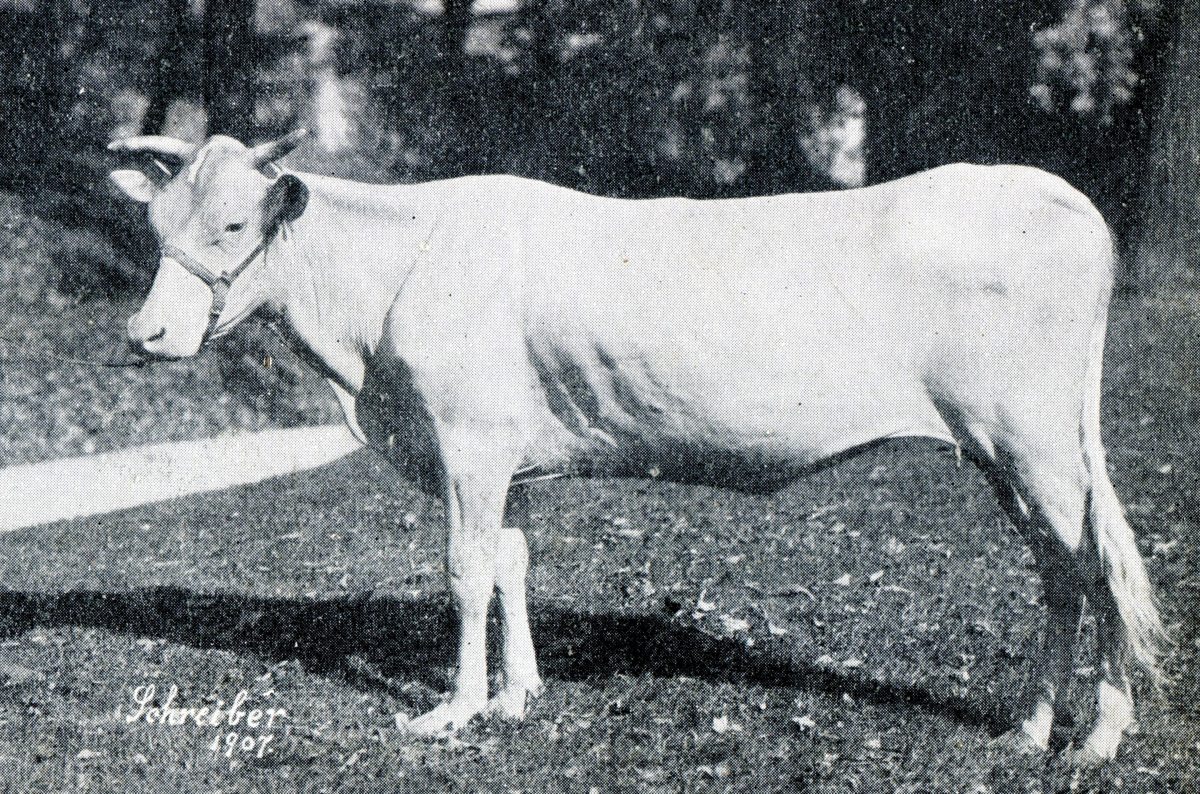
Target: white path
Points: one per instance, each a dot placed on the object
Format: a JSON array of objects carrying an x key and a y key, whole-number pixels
[{"x": 39, "y": 493}]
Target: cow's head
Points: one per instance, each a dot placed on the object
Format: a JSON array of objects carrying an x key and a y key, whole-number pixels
[{"x": 212, "y": 219}]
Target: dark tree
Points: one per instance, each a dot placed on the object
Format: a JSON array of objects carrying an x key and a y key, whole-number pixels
[
  {"x": 456, "y": 19},
  {"x": 547, "y": 25},
  {"x": 229, "y": 66},
  {"x": 35, "y": 91},
  {"x": 166, "y": 81},
  {"x": 784, "y": 83},
  {"x": 1170, "y": 194},
  {"x": 941, "y": 81},
  {"x": 55, "y": 90}
]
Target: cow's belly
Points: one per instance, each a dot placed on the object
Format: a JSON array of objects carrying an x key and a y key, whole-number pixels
[{"x": 739, "y": 417}]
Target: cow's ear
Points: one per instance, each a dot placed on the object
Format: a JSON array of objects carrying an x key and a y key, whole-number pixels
[
  {"x": 134, "y": 183},
  {"x": 285, "y": 202}
]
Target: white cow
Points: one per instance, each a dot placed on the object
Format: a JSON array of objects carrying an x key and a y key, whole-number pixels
[{"x": 483, "y": 330}]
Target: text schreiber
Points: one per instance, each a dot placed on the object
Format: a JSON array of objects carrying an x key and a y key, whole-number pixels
[{"x": 216, "y": 716}]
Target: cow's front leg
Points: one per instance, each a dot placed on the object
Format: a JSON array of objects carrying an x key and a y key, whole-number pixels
[
  {"x": 521, "y": 680},
  {"x": 476, "y": 483}
]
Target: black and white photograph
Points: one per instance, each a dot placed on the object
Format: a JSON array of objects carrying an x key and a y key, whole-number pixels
[{"x": 612, "y": 396}]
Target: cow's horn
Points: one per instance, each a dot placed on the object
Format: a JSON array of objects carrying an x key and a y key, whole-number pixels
[
  {"x": 160, "y": 144},
  {"x": 272, "y": 150}
]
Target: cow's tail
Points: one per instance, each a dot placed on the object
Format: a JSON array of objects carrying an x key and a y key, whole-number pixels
[{"x": 1120, "y": 562}]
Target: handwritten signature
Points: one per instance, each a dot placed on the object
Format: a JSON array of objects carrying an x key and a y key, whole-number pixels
[{"x": 241, "y": 726}]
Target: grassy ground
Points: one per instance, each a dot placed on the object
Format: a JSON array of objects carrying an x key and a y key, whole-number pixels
[{"x": 868, "y": 629}]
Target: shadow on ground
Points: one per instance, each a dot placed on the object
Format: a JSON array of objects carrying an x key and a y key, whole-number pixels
[{"x": 413, "y": 639}]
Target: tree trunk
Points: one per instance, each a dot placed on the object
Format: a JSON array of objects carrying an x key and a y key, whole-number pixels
[
  {"x": 50, "y": 82},
  {"x": 1170, "y": 196},
  {"x": 453, "y": 33},
  {"x": 165, "y": 86},
  {"x": 228, "y": 67},
  {"x": 546, "y": 26},
  {"x": 781, "y": 91}
]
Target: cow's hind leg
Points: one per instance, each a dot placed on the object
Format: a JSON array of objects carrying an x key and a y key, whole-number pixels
[
  {"x": 1114, "y": 693},
  {"x": 1064, "y": 606},
  {"x": 1056, "y": 487},
  {"x": 1043, "y": 488}
]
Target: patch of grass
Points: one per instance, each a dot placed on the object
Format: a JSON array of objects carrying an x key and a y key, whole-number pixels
[{"x": 311, "y": 588}]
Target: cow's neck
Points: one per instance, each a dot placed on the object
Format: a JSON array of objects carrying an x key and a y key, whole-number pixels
[{"x": 339, "y": 273}]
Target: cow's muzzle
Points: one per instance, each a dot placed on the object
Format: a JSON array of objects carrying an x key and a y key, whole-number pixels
[{"x": 218, "y": 285}]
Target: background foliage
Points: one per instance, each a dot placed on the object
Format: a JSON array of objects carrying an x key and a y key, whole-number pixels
[{"x": 629, "y": 97}]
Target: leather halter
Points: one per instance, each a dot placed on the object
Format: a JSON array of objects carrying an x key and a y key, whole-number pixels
[{"x": 219, "y": 285}]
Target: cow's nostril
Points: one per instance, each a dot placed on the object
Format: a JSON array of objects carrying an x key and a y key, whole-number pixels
[{"x": 158, "y": 335}]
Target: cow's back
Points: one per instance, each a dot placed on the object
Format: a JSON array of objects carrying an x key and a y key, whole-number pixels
[{"x": 945, "y": 234}]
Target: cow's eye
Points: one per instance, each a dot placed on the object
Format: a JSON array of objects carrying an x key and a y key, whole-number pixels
[{"x": 234, "y": 228}]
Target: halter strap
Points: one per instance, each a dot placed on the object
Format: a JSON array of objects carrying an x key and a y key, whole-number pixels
[{"x": 219, "y": 285}]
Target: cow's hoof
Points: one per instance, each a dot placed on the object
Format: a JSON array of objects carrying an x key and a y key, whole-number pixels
[
  {"x": 1017, "y": 742},
  {"x": 445, "y": 719},
  {"x": 512, "y": 701}
]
